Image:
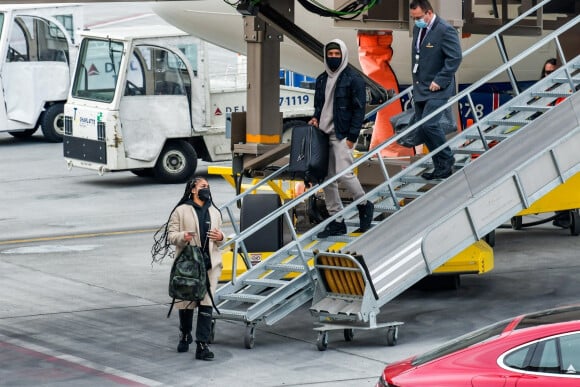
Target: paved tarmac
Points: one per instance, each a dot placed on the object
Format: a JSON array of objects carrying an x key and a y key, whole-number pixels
[{"x": 81, "y": 304}]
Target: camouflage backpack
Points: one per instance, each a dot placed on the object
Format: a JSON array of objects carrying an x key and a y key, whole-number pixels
[{"x": 188, "y": 280}]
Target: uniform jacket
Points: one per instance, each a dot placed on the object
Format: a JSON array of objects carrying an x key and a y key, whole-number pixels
[
  {"x": 439, "y": 58},
  {"x": 349, "y": 103},
  {"x": 184, "y": 219}
]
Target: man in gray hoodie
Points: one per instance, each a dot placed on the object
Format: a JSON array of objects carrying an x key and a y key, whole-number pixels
[{"x": 339, "y": 108}]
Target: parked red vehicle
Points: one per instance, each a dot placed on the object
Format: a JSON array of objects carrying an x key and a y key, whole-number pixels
[{"x": 530, "y": 350}]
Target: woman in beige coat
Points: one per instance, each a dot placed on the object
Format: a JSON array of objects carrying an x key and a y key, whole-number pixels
[{"x": 194, "y": 220}]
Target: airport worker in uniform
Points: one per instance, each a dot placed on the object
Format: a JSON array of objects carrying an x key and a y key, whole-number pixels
[{"x": 435, "y": 57}]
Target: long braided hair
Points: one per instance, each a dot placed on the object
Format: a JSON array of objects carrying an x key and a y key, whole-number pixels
[{"x": 161, "y": 247}]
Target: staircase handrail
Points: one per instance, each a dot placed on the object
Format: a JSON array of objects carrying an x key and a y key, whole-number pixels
[
  {"x": 376, "y": 151},
  {"x": 482, "y": 42}
]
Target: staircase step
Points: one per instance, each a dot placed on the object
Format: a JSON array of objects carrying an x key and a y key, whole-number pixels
[
  {"x": 341, "y": 238},
  {"x": 508, "y": 122},
  {"x": 550, "y": 94},
  {"x": 295, "y": 252},
  {"x": 230, "y": 314},
  {"x": 288, "y": 268},
  {"x": 385, "y": 208},
  {"x": 530, "y": 108},
  {"x": 409, "y": 194},
  {"x": 561, "y": 80},
  {"x": 468, "y": 151},
  {"x": 266, "y": 282},
  {"x": 418, "y": 180},
  {"x": 489, "y": 137},
  {"x": 243, "y": 297}
]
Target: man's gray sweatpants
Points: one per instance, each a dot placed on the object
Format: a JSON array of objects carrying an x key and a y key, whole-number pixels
[{"x": 340, "y": 158}]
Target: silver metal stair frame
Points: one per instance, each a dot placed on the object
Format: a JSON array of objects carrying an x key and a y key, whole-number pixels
[{"x": 417, "y": 238}]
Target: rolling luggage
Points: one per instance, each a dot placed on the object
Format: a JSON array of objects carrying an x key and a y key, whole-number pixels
[{"x": 308, "y": 154}]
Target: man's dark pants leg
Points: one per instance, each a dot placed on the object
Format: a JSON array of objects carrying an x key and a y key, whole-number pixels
[{"x": 431, "y": 132}]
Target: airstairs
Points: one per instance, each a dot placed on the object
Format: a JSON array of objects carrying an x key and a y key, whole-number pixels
[{"x": 419, "y": 224}]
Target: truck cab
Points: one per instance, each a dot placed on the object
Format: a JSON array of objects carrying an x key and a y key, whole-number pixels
[
  {"x": 37, "y": 46},
  {"x": 142, "y": 101}
]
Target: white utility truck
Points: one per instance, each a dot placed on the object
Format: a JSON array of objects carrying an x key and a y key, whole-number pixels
[
  {"x": 37, "y": 45},
  {"x": 142, "y": 101}
]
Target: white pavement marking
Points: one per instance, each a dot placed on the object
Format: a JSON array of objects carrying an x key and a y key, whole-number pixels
[
  {"x": 79, "y": 361},
  {"x": 49, "y": 249}
]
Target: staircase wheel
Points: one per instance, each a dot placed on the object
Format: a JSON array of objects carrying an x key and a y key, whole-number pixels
[
  {"x": 322, "y": 341},
  {"x": 575, "y": 222},
  {"x": 250, "y": 336},
  {"x": 348, "y": 334},
  {"x": 517, "y": 222},
  {"x": 392, "y": 336}
]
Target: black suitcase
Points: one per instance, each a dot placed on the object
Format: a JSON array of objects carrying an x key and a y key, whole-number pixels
[
  {"x": 308, "y": 154},
  {"x": 254, "y": 208}
]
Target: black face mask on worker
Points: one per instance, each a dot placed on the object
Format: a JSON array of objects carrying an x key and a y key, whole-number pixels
[{"x": 204, "y": 194}]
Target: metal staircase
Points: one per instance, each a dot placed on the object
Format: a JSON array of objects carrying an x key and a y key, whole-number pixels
[{"x": 536, "y": 150}]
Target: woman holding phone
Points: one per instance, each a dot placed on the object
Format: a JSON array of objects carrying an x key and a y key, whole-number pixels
[{"x": 194, "y": 220}]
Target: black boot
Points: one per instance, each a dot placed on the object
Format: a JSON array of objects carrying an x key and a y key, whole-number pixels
[
  {"x": 443, "y": 169},
  {"x": 366, "y": 215},
  {"x": 185, "y": 325},
  {"x": 203, "y": 332},
  {"x": 202, "y": 352},
  {"x": 333, "y": 228}
]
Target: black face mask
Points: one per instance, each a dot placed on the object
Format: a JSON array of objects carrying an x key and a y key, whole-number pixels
[
  {"x": 204, "y": 194},
  {"x": 333, "y": 63}
]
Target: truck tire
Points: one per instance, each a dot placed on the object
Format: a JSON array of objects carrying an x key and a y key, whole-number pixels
[
  {"x": 143, "y": 172},
  {"x": 53, "y": 123},
  {"x": 23, "y": 134},
  {"x": 176, "y": 163}
]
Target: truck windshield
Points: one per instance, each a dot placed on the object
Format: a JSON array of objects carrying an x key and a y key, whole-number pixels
[
  {"x": 97, "y": 70},
  {"x": 34, "y": 39},
  {"x": 1, "y": 23}
]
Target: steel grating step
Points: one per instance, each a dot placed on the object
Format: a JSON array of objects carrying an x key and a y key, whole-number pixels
[
  {"x": 489, "y": 137},
  {"x": 294, "y": 252},
  {"x": 409, "y": 194},
  {"x": 562, "y": 80},
  {"x": 380, "y": 207},
  {"x": 550, "y": 94},
  {"x": 419, "y": 180},
  {"x": 468, "y": 151},
  {"x": 341, "y": 238},
  {"x": 289, "y": 268},
  {"x": 230, "y": 314},
  {"x": 266, "y": 282},
  {"x": 530, "y": 108},
  {"x": 508, "y": 122},
  {"x": 242, "y": 297}
]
